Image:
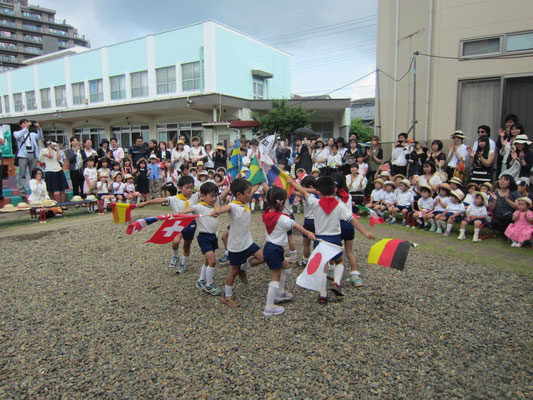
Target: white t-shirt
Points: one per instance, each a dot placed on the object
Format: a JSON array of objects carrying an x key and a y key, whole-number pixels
[
  {"x": 462, "y": 151},
  {"x": 178, "y": 205},
  {"x": 279, "y": 234},
  {"x": 356, "y": 185},
  {"x": 240, "y": 237},
  {"x": 468, "y": 199},
  {"x": 405, "y": 198},
  {"x": 118, "y": 187},
  {"x": 444, "y": 200},
  {"x": 102, "y": 187},
  {"x": 308, "y": 210},
  {"x": 435, "y": 180},
  {"x": 334, "y": 161},
  {"x": 389, "y": 197},
  {"x": 206, "y": 224},
  {"x": 476, "y": 211},
  {"x": 425, "y": 204},
  {"x": 245, "y": 161},
  {"x": 455, "y": 207},
  {"x": 195, "y": 153},
  {"x": 377, "y": 194},
  {"x": 328, "y": 224},
  {"x": 90, "y": 173},
  {"x": 130, "y": 187}
]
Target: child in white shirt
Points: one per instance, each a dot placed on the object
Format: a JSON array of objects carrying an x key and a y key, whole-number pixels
[
  {"x": 454, "y": 211},
  {"x": 404, "y": 202},
  {"x": 118, "y": 187},
  {"x": 476, "y": 214},
  {"x": 334, "y": 159},
  {"x": 277, "y": 225},
  {"x": 102, "y": 189},
  {"x": 377, "y": 195},
  {"x": 439, "y": 206},
  {"x": 389, "y": 198},
  {"x": 425, "y": 207}
]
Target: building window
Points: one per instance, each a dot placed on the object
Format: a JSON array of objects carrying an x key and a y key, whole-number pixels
[
  {"x": 46, "y": 101},
  {"x": 7, "y": 34},
  {"x": 118, "y": 87},
  {"x": 32, "y": 50},
  {"x": 32, "y": 15},
  {"x": 324, "y": 129},
  {"x": 519, "y": 42},
  {"x": 58, "y": 32},
  {"x": 33, "y": 38},
  {"x": 31, "y": 27},
  {"x": 128, "y": 134},
  {"x": 9, "y": 46},
  {"x": 481, "y": 47},
  {"x": 62, "y": 43},
  {"x": 60, "y": 95},
  {"x": 259, "y": 88},
  {"x": 95, "y": 134},
  {"x": 6, "y": 22},
  {"x": 139, "y": 84},
  {"x": 6, "y": 104},
  {"x": 56, "y": 135},
  {"x": 190, "y": 73},
  {"x": 31, "y": 104},
  {"x": 166, "y": 80},
  {"x": 96, "y": 90},
  {"x": 17, "y": 99},
  {"x": 78, "y": 93},
  {"x": 7, "y": 11}
]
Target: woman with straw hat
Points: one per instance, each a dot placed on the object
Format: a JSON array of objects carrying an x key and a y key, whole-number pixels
[{"x": 220, "y": 157}]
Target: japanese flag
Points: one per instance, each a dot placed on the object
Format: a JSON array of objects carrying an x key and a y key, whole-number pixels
[
  {"x": 171, "y": 227},
  {"x": 314, "y": 275}
]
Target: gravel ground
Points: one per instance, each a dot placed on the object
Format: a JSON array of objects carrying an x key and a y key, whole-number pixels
[{"x": 93, "y": 313}]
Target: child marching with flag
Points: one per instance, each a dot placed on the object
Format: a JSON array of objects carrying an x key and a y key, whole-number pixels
[
  {"x": 207, "y": 238},
  {"x": 240, "y": 243},
  {"x": 183, "y": 199},
  {"x": 328, "y": 213},
  {"x": 309, "y": 183},
  {"x": 277, "y": 225}
]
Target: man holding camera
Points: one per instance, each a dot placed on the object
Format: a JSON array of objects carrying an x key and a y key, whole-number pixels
[
  {"x": 28, "y": 150},
  {"x": 399, "y": 159}
]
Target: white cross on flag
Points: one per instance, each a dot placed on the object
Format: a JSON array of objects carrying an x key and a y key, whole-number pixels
[
  {"x": 314, "y": 275},
  {"x": 170, "y": 228}
]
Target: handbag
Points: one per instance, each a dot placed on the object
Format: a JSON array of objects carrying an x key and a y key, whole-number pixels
[{"x": 16, "y": 160}]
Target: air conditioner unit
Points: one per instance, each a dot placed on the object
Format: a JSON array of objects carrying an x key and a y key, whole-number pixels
[{"x": 85, "y": 101}]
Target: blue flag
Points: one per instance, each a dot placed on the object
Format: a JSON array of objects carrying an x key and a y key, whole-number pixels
[{"x": 235, "y": 161}]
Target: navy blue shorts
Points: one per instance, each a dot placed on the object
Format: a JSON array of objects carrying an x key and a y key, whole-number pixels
[
  {"x": 309, "y": 224},
  {"x": 347, "y": 231},
  {"x": 335, "y": 239},
  {"x": 456, "y": 219},
  {"x": 100, "y": 195},
  {"x": 256, "y": 196},
  {"x": 207, "y": 242},
  {"x": 274, "y": 255},
  {"x": 435, "y": 213},
  {"x": 291, "y": 217},
  {"x": 483, "y": 221},
  {"x": 236, "y": 259},
  {"x": 401, "y": 208},
  {"x": 188, "y": 232}
]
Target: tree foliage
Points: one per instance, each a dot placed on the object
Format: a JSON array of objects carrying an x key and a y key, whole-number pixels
[
  {"x": 364, "y": 132},
  {"x": 282, "y": 119}
]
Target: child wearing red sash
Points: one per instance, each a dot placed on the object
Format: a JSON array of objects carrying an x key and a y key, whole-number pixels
[
  {"x": 328, "y": 213},
  {"x": 277, "y": 225}
]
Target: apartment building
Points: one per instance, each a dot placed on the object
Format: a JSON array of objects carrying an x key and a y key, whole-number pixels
[
  {"x": 475, "y": 66},
  {"x": 27, "y": 31}
]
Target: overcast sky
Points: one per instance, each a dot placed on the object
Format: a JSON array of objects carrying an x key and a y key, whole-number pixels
[{"x": 333, "y": 42}]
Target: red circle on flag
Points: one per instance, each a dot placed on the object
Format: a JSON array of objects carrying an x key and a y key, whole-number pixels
[{"x": 314, "y": 263}]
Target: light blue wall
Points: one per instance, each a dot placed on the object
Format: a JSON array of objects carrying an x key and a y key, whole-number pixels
[
  {"x": 51, "y": 73},
  {"x": 182, "y": 45},
  {"x": 236, "y": 56},
  {"x": 86, "y": 65},
  {"x": 3, "y": 84},
  {"x": 22, "y": 80},
  {"x": 127, "y": 57}
]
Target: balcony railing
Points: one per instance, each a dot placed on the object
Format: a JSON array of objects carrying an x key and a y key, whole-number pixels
[
  {"x": 32, "y": 28},
  {"x": 57, "y": 21},
  {"x": 7, "y": 11},
  {"x": 34, "y": 39},
  {"x": 9, "y": 59},
  {"x": 8, "y": 35},
  {"x": 8, "y": 46},
  {"x": 32, "y": 16},
  {"x": 32, "y": 50},
  {"x": 8, "y": 23},
  {"x": 57, "y": 32},
  {"x": 78, "y": 36}
]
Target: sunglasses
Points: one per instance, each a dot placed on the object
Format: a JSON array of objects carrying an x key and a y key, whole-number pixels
[{"x": 480, "y": 131}]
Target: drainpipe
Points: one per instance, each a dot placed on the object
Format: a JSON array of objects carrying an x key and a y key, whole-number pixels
[
  {"x": 430, "y": 60},
  {"x": 396, "y": 55}
]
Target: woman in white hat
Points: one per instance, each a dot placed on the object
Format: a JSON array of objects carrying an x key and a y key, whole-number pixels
[
  {"x": 523, "y": 157},
  {"x": 320, "y": 155},
  {"x": 458, "y": 152},
  {"x": 508, "y": 151}
]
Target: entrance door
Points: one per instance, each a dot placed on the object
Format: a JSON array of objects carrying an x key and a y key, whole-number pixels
[
  {"x": 224, "y": 138},
  {"x": 518, "y": 100}
]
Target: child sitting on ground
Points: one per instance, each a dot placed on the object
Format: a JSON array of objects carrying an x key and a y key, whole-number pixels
[
  {"x": 118, "y": 187},
  {"x": 404, "y": 202},
  {"x": 476, "y": 214},
  {"x": 522, "y": 227},
  {"x": 425, "y": 207},
  {"x": 277, "y": 224},
  {"x": 241, "y": 246},
  {"x": 454, "y": 211},
  {"x": 183, "y": 199}
]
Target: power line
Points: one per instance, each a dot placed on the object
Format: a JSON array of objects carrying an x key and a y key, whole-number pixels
[
  {"x": 347, "y": 45},
  {"x": 322, "y": 28},
  {"x": 403, "y": 76},
  {"x": 368, "y": 46},
  {"x": 363, "y": 53},
  {"x": 327, "y": 34},
  {"x": 345, "y": 50},
  {"x": 502, "y": 57},
  {"x": 324, "y": 90}
]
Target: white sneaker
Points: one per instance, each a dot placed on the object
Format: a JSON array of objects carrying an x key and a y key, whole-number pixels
[
  {"x": 292, "y": 258},
  {"x": 476, "y": 239},
  {"x": 285, "y": 296},
  {"x": 276, "y": 310},
  {"x": 461, "y": 236},
  {"x": 173, "y": 262}
]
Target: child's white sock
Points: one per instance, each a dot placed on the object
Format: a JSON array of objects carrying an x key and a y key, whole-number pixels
[
  {"x": 338, "y": 272},
  {"x": 184, "y": 260},
  {"x": 253, "y": 206},
  {"x": 209, "y": 274},
  {"x": 462, "y": 231},
  {"x": 476, "y": 233},
  {"x": 293, "y": 253},
  {"x": 228, "y": 291},
  {"x": 202, "y": 273},
  {"x": 283, "y": 279},
  {"x": 273, "y": 288},
  {"x": 261, "y": 204},
  {"x": 356, "y": 273},
  {"x": 176, "y": 252},
  {"x": 226, "y": 252},
  {"x": 449, "y": 228},
  {"x": 432, "y": 221}
]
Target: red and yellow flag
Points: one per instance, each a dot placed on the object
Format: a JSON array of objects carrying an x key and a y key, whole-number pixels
[
  {"x": 122, "y": 212},
  {"x": 390, "y": 253}
]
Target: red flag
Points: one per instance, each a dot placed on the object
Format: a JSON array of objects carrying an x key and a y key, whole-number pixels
[{"x": 171, "y": 227}]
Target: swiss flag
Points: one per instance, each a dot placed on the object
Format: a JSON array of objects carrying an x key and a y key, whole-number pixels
[{"x": 170, "y": 228}]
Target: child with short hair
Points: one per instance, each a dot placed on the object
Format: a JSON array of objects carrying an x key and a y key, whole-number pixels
[
  {"x": 521, "y": 229},
  {"x": 102, "y": 189},
  {"x": 90, "y": 176},
  {"x": 207, "y": 238},
  {"x": 334, "y": 160},
  {"x": 132, "y": 195},
  {"x": 476, "y": 214},
  {"x": 185, "y": 198},
  {"x": 154, "y": 174},
  {"x": 277, "y": 224},
  {"x": 404, "y": 202},
  {"x": 389, "y": 198},
  {"x": 104, "y": 166},
  {"x": 439, "y": 206},
  {"x": 454, "y": 211},
  {"x": 472, "y": 189},
  {"x": 240, "y": 243},
  {"x": 377, "y": 195},
  {"x": 328, "y": 213},
  {"x": 425, "y": 207},
  {"x": 309, "y": 183},
  {"x": 118, "y": 187}
]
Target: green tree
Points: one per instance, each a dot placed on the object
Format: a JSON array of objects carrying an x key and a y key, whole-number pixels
[
  {"x": 282, "y": 119},
  {"x": 364, "y": 132}
]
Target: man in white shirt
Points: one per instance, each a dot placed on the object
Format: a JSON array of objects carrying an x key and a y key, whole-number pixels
[
  {"x": 458, "y": 152},
  {"x": 399, "y": 161},
  {"x": 118, "y": 152},
  {"x": 28, "y": 151}
]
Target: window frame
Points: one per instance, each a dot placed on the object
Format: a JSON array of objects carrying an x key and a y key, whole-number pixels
[
  {"x": 121, "y": 90},
  {"x": 7, "y": 108},
  {"x": 256, "y": 81},
  {"x": 78, "y": 100},
  {"x": 503, "y": 38},
  {"x": 193, "y": 79},
  {"x": 31, "y": 100},
  {"x": 98, "y": 96},
  {"x": 142, "y": 90},
  {"x": 63, "y": 89},
  {"x": 167, "y": 83},
  {"x": 46, "y": 101}
]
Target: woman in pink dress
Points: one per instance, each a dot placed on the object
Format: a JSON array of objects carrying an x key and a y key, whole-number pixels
[{"x": 522, "y": 227}]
